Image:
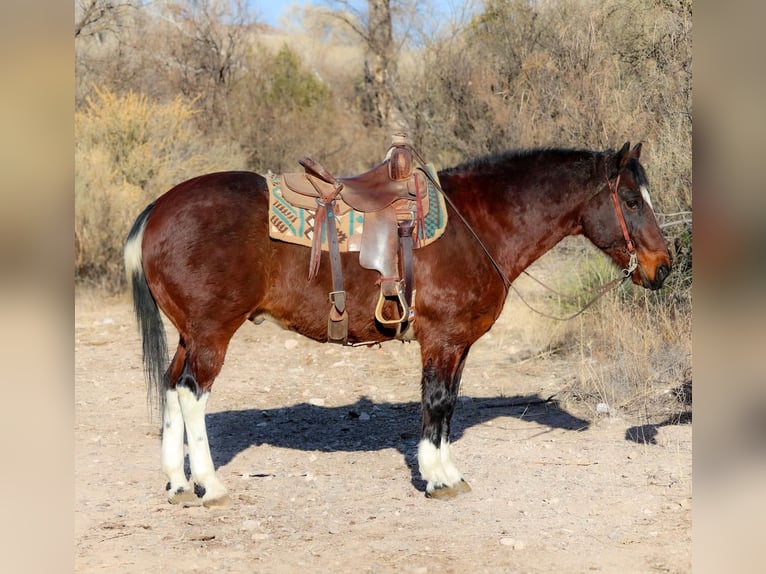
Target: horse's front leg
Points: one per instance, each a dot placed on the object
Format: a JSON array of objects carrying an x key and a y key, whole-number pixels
[{"x": 439, "y": 387}]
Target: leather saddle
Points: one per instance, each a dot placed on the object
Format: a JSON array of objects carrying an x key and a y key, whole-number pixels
[
  {"x": 376, "y": 189},
  {"x": 394, "y": 200}
]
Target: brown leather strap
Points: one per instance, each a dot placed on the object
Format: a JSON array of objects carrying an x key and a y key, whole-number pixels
[
  {"x": 327, "y": 202},
  {"x": 316, "y": 169},
  {"x": 620, "y": 216},
  {"x": 335, "y": 266},
  {"x": 406, "y": 245},
  {"x": 316, "y": 241},
  {"x": 419, "y": 210}
]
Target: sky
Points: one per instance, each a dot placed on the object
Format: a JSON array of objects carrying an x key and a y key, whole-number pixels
[{"x": 272, "y": 12}]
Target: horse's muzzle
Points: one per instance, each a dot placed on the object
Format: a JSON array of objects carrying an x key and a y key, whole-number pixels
[
  {"x": 660, "y": 274},
  {"x": 641, "y": 277}
]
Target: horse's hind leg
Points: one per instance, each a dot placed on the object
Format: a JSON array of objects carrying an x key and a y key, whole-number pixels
[
  {"x": 203, "y": 363},
  {"x": 214, "y": 493},
  {"x": 440, "y": 385},
  {"x": 189, "y": 380},
  {"x": 179, "y": 489}
]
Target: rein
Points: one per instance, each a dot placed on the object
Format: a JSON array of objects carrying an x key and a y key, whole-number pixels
[
  {"x": 506, "y": 282},
  {"x": 599, "y": 291}
]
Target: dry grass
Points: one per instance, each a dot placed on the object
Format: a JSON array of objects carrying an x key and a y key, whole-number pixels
[
  {"x": 629, "y": 355},
  {"x": 633, "y": 350}
]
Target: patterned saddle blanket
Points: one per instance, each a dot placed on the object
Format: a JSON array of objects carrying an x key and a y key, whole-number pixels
[{"x": 293, "y": 224}]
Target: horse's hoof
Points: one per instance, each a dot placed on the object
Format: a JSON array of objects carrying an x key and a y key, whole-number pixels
[
  {"x": 185, "y": 497},
  {"x": 447, "y": 492},
  {"x": 462, "y": 487},
  {"x": 223, "y": 501}
]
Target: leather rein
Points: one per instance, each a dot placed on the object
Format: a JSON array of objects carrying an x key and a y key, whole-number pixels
[{"x": 599, "y": 291}]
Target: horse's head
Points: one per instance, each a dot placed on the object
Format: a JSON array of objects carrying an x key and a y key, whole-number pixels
[{"x": 620, "y": 220}]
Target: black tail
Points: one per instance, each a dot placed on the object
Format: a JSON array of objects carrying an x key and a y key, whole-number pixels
[{"x": 155, "y": 348}]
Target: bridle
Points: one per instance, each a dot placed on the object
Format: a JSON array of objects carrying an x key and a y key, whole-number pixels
[
  {"x": 599, "y": 291},
  {"x": 633, "y": 262}
]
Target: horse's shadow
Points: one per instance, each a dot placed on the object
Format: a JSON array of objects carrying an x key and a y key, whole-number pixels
[
  {"x": 647, "y": 434},
  {"x": 367, "y": 426}
]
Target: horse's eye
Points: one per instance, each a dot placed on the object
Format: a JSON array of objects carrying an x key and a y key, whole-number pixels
[{"x": 632, "y": 203}]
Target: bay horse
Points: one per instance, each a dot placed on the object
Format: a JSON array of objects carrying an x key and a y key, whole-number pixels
[{"x": 201, "y": 253}]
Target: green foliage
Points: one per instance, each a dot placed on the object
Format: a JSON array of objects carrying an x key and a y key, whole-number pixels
[
  {"x": 291, "y": 86},
  {"x": 284, "y": 111},
  {"x": 572, "y": 73}
]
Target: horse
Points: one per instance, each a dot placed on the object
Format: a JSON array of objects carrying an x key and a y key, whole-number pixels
[{"x": 201, "y": 254}]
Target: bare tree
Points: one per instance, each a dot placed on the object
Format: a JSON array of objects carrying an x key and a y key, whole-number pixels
[
  {"x": 207, "y": 47},
  {"x": 375, "y": 27},
  {"x": 380, "y": 65},
  {"x": 97, "y": 16}
]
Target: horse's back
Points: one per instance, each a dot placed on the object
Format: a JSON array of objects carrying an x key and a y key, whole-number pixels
[{"x": 223, "y": 186}]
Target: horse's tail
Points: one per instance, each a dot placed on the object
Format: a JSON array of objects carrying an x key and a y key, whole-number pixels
[{"x": 155, "y": 349}]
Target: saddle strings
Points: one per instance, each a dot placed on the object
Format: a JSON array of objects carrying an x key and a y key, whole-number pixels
[{"x": 507, "y": 283}]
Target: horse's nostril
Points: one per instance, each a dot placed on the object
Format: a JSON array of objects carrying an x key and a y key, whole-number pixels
[{"x": 662, "y": 273}]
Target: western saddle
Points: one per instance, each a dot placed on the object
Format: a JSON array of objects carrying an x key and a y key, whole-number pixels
[{"x": 393, "y": 198}]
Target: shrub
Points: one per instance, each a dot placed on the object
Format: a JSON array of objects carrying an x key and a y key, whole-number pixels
[{"x": 128, "y": 151}]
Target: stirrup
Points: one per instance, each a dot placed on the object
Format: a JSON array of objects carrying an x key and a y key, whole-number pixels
[{"x": 399, "y": 294}]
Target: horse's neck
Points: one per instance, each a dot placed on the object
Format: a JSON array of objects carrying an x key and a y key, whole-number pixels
[{"x": 523, "y": 224}]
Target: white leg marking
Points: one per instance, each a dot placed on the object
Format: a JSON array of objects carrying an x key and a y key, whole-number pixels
[
  {"x": 436, "y": 465},
  {"x": 429, "y": 463},
  {"x": 200, "y": 461},
  {"x": 645, "y": 195},
  {"x": 173, "y": 444},
  {"x": 450, "y": 470}
]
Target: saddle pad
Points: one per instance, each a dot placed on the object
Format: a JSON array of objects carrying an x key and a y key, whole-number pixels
[{"x": 296, "y": 225}]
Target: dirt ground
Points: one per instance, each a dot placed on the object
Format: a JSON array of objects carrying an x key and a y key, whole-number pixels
[{"x": 317, "y": 445}]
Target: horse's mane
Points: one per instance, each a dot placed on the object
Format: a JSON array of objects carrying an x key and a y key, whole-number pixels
[{"x": 504, "y": 159}]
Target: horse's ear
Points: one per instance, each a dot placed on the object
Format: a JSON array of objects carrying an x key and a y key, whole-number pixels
[
  {"x": 618, "y": 160},
  {"x": 623, "y": 155},
  {"x": 636, "y": 151}
]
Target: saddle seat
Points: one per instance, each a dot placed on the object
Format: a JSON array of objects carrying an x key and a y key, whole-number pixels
[{"x": 373, "y": 190}]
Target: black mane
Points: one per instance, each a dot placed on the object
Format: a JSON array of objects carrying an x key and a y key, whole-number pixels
[
  {"x": 555, "y": 155},
  {"x": 512, "y": 156}
]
